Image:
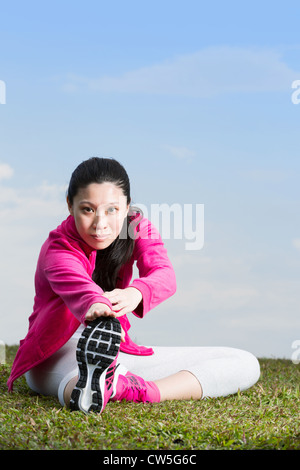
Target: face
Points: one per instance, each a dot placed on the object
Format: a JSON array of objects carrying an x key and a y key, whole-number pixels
[{"x": 99, "y": 211}]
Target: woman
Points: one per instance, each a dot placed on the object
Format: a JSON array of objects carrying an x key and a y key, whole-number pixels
[{"x": 77, "y": 347}]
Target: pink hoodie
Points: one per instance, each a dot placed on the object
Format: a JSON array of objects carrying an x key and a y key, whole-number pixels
[{"x": 65, "y": 291}]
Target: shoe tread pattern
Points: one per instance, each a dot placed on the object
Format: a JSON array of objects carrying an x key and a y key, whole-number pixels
[{"x": 96, "y": 349}]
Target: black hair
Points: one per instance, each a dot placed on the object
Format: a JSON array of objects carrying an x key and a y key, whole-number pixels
[{"x": 109, "y": 260}]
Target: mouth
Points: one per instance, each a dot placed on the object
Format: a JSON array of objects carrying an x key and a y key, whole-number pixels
[{"x": 100, "y": 237}]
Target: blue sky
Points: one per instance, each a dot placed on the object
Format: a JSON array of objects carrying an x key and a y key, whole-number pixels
[{"x": 194, "y": 98}]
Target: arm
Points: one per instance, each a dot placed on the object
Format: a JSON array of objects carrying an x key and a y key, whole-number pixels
[
  {"x": 157, "y": 281},
  {"x": 68, "y": 275},
  {"x": 157, "y": 278}
]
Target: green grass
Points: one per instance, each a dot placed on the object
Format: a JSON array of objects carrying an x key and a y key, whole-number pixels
[{"x": 264, "y": 417}]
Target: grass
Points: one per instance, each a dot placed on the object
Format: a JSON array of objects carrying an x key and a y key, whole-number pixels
[{"x": 266, "y": 417}]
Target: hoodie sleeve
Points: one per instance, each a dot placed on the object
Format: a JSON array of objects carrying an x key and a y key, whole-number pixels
[
  {"x": 69, "y": 274},
  {"x": 156, "y": 280}
]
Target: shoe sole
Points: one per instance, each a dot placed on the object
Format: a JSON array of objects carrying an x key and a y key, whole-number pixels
[{"x": 97, "y": 349}]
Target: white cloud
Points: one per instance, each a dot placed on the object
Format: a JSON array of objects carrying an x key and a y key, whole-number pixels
[
  {"x": 210, "y": 71},
  {"x": 6, "y": 171}
]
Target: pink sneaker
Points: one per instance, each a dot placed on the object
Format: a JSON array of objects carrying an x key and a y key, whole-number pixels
[
  {"x": 131, "y": 387},
  {"x": 97, "y": 352}
]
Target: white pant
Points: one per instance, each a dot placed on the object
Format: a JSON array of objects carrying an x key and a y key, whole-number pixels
[{"x": 221, "y": 371}]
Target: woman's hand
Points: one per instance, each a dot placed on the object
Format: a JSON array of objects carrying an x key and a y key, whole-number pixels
[
  {"x": 124, "y": 300},
  {"x": 101, "y": 310},
  {"x": 98, "y": 310}
]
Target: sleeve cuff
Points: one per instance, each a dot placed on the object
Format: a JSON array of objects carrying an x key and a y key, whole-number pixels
[{"x": 144, "y": 305}]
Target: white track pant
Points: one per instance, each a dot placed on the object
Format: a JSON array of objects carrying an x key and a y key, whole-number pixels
[{"x": 221, "y": 371}]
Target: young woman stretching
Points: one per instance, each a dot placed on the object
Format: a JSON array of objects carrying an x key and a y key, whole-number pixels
[{"x": 77, "y": 346}]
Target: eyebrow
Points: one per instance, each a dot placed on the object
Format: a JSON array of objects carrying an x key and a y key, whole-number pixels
[{"x": 92, "y": 204}]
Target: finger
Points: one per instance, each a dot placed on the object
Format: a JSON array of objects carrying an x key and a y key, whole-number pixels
[
  {"x": 113, "y": 298},
  {"x": 93, "y": 315},
  {"x": 117, "y": 306},
  {"x": 122, "y": 335},
  {"x": 109, "y": 293},
  {"x": 106, "y": 294},
  {"x": 118, "y": 300},
  {"x": 123, "y": 311},
  {"x": 105, "y": 314}
]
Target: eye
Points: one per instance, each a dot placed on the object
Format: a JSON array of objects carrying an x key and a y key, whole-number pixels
[
  {"x": 112, "y": 210},
  {"x": 87, "y": 209}
]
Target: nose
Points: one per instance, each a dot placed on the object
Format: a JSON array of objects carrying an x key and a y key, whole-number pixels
[{"x": 100, "y": 223}]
